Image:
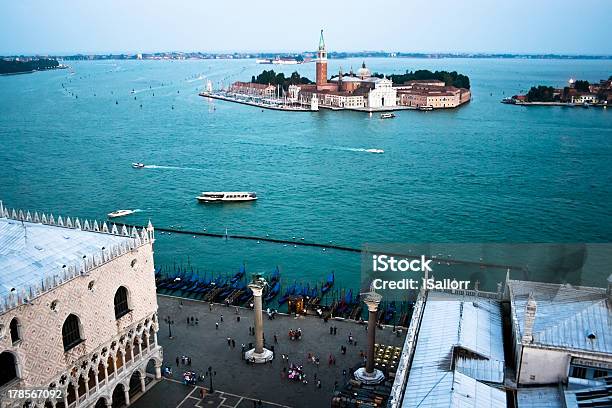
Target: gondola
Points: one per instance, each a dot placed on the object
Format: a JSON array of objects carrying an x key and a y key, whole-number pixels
[{"x": 328, "y": 285}]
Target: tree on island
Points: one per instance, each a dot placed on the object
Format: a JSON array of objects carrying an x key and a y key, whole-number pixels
[
  {"x": 581, "y": 86},
  {"x": 272, "y": 78},
  {"x": 15, "y": 67},
  {"x": 541, "y": 94},
  {"x": 449, "y": 78}
]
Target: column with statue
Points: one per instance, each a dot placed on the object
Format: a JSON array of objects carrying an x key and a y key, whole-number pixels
[{"x": 369, "y": 374}]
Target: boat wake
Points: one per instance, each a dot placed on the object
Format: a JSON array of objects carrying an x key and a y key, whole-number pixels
[
  {"x": 154, "y": 166},
  {"x": 354, "y": 149}
]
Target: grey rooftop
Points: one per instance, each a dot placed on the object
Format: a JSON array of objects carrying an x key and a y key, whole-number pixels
[
  {"x": 457, "y": 328},
  {"x": 569, "y": 317},
  {"x": 39, "y": 252}
]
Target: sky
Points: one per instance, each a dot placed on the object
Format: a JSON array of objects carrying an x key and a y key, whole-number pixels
[{"x": 513, "y": 26}]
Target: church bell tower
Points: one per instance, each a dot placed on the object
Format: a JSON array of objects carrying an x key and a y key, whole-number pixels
[{"x": 321, "y": 63}]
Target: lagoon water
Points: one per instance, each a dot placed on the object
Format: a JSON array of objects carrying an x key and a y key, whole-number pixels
[{"x": 486, "y": 172}]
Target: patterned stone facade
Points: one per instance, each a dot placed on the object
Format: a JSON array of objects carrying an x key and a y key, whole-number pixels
[{"x": 112, "y": 351}]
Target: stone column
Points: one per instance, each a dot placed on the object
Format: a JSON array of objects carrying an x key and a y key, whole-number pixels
[
  {"x": 259, "y": 340},
  {"x": 370, "y": 375},
  {"x": 143, "y": 385},
  {"x": 158, "y": 370},
  {"x": 372, "y": 313},
  {"x": 126, "y": 394},
  {"x": 259, "y": 354}
]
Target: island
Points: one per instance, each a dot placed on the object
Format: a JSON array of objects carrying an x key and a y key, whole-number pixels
[
  {"x": 17, "y": 66},
  {"x": 576, "y": 93},
  {"x": 359, "y": 90}
]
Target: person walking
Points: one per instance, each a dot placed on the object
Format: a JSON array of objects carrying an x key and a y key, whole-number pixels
[
  {"x": 216, "y": 325},
  {"x": 221, "y": 319},
  {"x": 275, "y": 339},
  {"x": 177, "y": 361}
]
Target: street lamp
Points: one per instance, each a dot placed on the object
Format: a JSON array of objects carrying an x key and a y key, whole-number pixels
[
  {"x": 210, "y": 374},
  {"x": 170, "y": 323}
]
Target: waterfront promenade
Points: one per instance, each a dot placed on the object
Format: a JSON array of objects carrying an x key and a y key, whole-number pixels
[
  {"x": 278, "y": 107},
  {"x": 242, "y": 383}
]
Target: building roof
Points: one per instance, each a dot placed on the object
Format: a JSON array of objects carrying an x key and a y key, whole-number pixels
[
  {"x": 566, "y": 317},
  {"x": 459, "y": 345},
  {"x": 31, "y": 252},
  {"x": 252, "y": 85}
]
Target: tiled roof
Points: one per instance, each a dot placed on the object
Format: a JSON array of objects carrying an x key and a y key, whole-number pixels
[
  {"x": 30, "y": 252},
  {"x": 468, "y": 331},
  {"x": 566, "y": 317}
]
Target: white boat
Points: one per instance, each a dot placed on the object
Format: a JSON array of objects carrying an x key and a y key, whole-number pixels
[
  {"x": 425, "y": 108},
  {"x": 389, "y": 115},
  {"x": 226, "y": 196},
  {"x": 378, "y": 151},
  {"x": 120, "y": 213},
  {"x": 138, "y": 165}
]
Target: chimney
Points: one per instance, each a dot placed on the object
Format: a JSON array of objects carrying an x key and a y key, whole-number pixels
[{"x": 530, "y": 314}]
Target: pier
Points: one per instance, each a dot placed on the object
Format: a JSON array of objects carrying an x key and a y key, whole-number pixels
[{"x": 257, "y": 102}]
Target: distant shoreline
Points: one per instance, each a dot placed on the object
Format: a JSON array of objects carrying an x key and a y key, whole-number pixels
[
  {"x": 33, "y": 70},
  {"x": 310, "y": 54}
]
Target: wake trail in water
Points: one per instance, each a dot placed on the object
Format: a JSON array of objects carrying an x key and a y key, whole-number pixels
[
  {"x": 359, "y": 149},
  {"x": 154, "y": 166}
]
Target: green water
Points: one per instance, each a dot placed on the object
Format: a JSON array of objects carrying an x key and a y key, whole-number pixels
[{"x": 486, "y": 172}]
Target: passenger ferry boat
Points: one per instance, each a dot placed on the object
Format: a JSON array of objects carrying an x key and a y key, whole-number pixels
[
  {"x": 389, "y": 115},
  {"x": 120, "y": 213},
  {"x": 224, "y": 196}
]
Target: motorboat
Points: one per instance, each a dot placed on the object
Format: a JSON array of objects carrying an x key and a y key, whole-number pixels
[
  {"x": 120, "y": 213},
  {"x": 226, "y": 196},
  {"x": 138, "y": 165},
  {"x": 388, "y": 115},
  {"x": 425, "y": 108},
  {"x": 378, "y": 151}
]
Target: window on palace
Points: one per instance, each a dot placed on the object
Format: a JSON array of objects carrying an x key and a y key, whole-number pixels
[
  {"x": 71, "y": 332},
  {"x": 121, "y": 302},
  {"x": 14, "y": 329},
  {"x": 8, "y": 368},
  {"x": 579, "y": 372},
  {"x": 600, "y": 373}
]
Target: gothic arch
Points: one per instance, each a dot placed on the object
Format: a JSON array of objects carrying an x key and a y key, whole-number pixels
[
  {"x": 118, "y": 398},
  {"x": 9, "y": 367},
  {"x": 101, "y": 402}
]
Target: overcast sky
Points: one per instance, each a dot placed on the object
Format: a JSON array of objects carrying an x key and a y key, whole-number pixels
[{"x": 515, "y": 26}]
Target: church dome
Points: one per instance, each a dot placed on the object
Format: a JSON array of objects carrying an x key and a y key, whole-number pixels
[{"x": 363, "y": 72}]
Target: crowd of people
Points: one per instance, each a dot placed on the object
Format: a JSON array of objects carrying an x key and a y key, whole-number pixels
[{"x": 295, "y": 334}]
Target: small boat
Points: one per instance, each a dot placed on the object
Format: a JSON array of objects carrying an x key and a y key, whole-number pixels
[
  {"x": 328, "y": 285},
  {"x": 425, "y": 108},
  {"x": 120, "y": 213},
  {"x": 388, "y": 115},
  {"x": 378, "y": 151},
  {"x": 225, "y": 196},
  {"x": 138, "y": 165}
]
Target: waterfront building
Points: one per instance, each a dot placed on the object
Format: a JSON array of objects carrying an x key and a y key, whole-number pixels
[
  {"x": 431, "y": 93},
  {"x": 559, "y": 332},
  {"x": 253, "y": 89},
  {"x": 558, "y": 336},
  {"x": 78, "y": 309}
]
